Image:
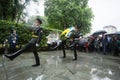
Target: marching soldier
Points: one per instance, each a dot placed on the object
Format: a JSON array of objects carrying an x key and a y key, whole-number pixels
[
  {"x": 32, "y": 44},
  {"x": 75, "y": 41},
  {"x": 75, "y": 34}
]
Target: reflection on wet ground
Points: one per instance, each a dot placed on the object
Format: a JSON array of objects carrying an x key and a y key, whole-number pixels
[{"x": 89, "y": 66}]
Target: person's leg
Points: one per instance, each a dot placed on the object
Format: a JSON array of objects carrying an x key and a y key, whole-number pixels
[
  {"x": 37, "y": 60},
  {"x": 48, "y": 47},
  {"x": 104, "y": 49},
  {"x": 63, "y": 48},
  {"x": 116, "y": 52},
  {"x": 15, "y": 54},
  {"x": 75, "y": 52}
]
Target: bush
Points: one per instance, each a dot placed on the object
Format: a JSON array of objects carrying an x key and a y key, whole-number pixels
[{"x": 23, "y": 32}]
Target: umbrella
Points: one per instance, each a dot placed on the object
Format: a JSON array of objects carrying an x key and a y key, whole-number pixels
[
  {"x": 99, "y": 32},
  {"x": 118, "y": 33},
  {"x": 111, "y": 34}
]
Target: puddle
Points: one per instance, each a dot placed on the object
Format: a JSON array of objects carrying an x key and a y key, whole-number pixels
[
  {"x": 119, "y": 67},
  {"x": 29, "y": 79},
  {"x": 95, "y": 72},
  {"x": 1, "y": 65},
  {"x": 54, "y": 60},
  {"x": 95, "y": 77},
  {"x": 110, "y": 72},
  {"x": 37, "y": 78}
]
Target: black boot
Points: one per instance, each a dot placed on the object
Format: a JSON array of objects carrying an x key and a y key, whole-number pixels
[
  {"x": 63, "y": 48},
  {"x": 14, "y": 55},
  {"x": 75, "y": 53},
  {"x": 37, "y": 60},
  {"x": 35, "y": 65},
  {"x": 63, "y": 57},
  {"x": 9, "y": 56},
  {"x": 64, "y": 54},
  {"x": 74, "y": 59}
]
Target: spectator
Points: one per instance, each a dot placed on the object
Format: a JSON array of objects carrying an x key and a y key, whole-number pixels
[
  {"x": 12, "y": 39},
  {"x": 117, "y": 47},
  {"x": 109, "y": 44},
  {"x": 104, "y": 44},
  {"x": 114, "y": 44},
  {"x": 91, "y": 44}
]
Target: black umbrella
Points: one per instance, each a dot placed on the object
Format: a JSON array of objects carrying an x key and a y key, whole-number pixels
[
  {"x": 111, "y": 34},
  {"x": 118, "y": 33},
  {"x": 99, "y": 32}
]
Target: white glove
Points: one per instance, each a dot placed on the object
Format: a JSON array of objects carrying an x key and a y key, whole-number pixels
[
  {"x": 13, "y": 41},
  {"x": 3, "y": 45},
  {"x": 37, "y": 45}
]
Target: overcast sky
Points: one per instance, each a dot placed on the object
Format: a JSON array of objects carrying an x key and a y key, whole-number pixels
[{"x": 106, "y": 12}]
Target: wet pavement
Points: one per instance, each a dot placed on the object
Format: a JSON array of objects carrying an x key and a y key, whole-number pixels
[{"x": 89, "y": 66}]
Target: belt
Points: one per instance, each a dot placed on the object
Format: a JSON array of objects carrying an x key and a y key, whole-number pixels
[{"x": 34, "y": 36}]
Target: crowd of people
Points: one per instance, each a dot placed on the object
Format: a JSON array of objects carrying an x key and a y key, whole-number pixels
[
  {"x": 101, "y": 43},
  {"x": 105, "y": 44}
]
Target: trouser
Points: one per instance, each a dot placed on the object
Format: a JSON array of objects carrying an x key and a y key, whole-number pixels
[
  {"x": 75, "y": 50},
  {"x": 72, "y": 45},
  {"x": 63, "y": 48},
  {"x": 116, "y": 51},
  {"x": 104, "y": 49},
  {"x": 27, "y": 47}
]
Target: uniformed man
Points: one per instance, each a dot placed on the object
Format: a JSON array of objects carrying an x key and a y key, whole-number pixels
[
  {"x": 32, "y": 44},
  {"x": 64, "y": 36},
  {"x": 75, "y": 35},
  {"x": 75, "y": 41}
]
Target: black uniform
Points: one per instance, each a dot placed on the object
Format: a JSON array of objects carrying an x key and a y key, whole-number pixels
[
  {"x": 75, "y": 42},
  {"x": 36, "y": 38},
  {"x": 75, "y": 37}
]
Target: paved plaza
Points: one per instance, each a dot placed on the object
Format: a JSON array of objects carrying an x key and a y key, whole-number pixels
[{"x": 89, "y": 66}]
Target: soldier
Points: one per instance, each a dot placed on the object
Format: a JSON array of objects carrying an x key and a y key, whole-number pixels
[
  {"x": 76, "y": 37},
  {"x": 32, "y": 44},
  {"x": 75, "y": 34}
]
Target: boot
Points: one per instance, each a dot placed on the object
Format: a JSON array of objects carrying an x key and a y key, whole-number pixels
[
  {"x": 75, "y": 53},
  {"x": 63, "y": 48},
  {"x": 9, "y": 56},
  {"x": 14, "y": 55},
  {"x": 64, "y": 54},
  {"x": 74, "y": 59},
  {"x": 35, "y": 65},
  {"x": 37, "y": 60}
]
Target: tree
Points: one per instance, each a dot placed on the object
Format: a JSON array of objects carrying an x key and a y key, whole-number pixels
[
  {"x": 63, "y": 13},
  {"x": 12, "y": 9}
]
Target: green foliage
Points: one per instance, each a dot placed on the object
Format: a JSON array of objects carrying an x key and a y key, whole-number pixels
[
  {"x": 13, "y": 10},
  {"x": 63, "y": 13},
  {"x": 23, "y": 32}
]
